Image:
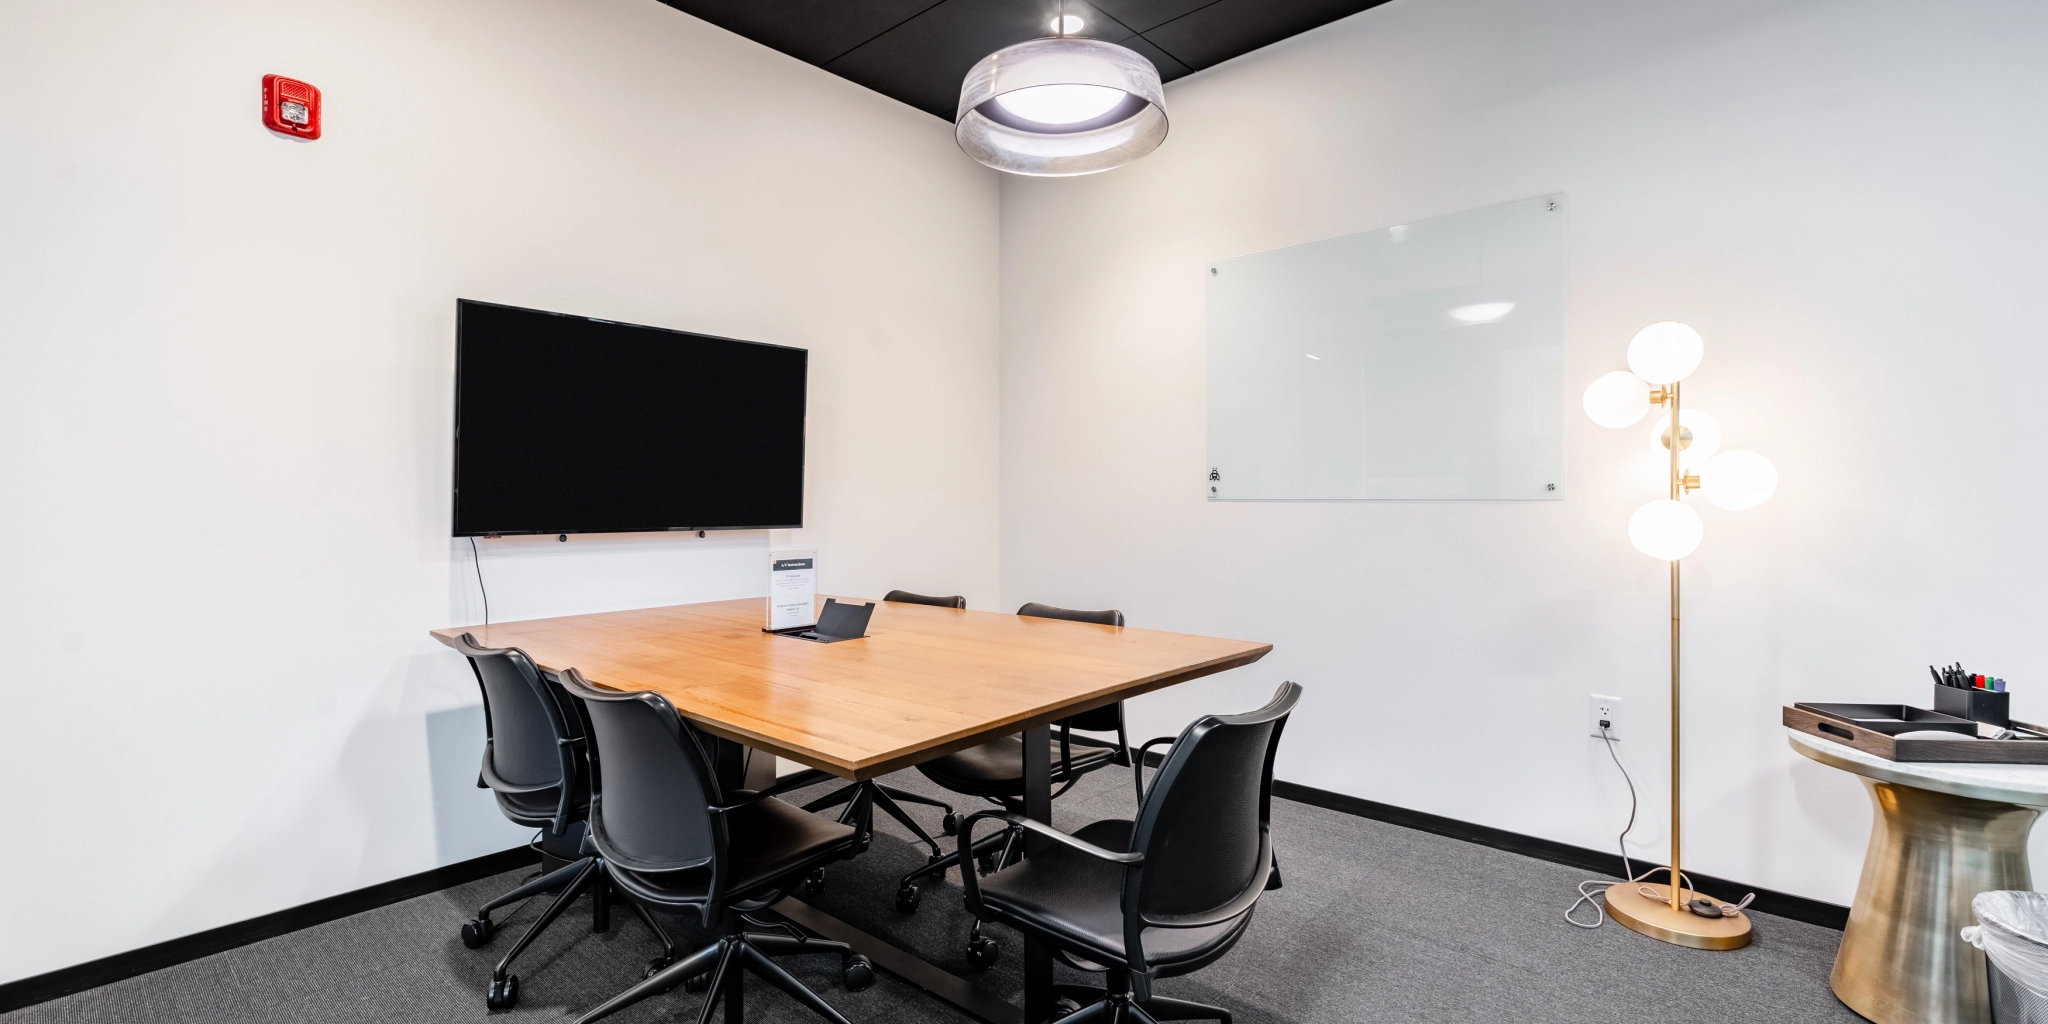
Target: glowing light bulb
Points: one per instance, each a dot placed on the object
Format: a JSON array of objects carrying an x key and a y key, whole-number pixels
[
  {"x": 1738, "y": 479},
  {"x": 1482, "y": 312},
  {"x": 1067, "y": 24},
  {"x": 1664, "y": 353},
  {"x": 1703, "y": 431},
  {"x": 1666, "y": 529},
  {"x": 1618, "y": 399},
  {"x": 1061, "y": 104}
]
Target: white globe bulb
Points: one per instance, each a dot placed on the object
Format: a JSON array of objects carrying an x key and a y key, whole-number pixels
[
  {"x": 1738, "y": 480},
  {"x": 1706, "y": 438},
  {"x": 1665, "y": 353},
  {"x": 1618, "y": 399},
  {"x": 1666, "y": 529}
]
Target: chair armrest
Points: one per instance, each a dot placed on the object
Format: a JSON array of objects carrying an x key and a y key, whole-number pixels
[
  {"x": 1147, "y": 745},
  {"x": 493, "y": 780},
  {"x": 1082, "y": 739},
  {"x": 1020, "y": 823},
  {"x": 1138, "y": 764},
  {"x": 1047, "y": 831},
  {"x": 798, "y": 781},
  {"x": 568, "y": 749}
]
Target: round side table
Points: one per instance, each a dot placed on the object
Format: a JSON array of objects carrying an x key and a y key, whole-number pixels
[{"x": 1941, "y": 834}]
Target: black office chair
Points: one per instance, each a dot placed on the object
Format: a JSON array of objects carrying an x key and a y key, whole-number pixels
[
  {"x": 1165, "y": 895},
  {"x": 670, "y": 838},
  {"x": 880, "y": 794},
  {"x": 995, "y": 771},
  {"x": 535, "y": 763}
]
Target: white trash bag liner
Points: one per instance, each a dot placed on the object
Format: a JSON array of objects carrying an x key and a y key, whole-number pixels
[{"x": 2012, "y": 930}]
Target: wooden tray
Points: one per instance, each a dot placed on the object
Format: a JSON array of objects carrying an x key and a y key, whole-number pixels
[{"x": 1873, "y": 729}]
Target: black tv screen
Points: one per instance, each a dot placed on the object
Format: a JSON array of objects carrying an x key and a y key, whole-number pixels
[{"x": 565, "y": 424}]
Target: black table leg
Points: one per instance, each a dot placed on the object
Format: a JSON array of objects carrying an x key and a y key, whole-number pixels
[
  {"x": 1038, "y": 992},
  {"x": 978, "y": 1003}
]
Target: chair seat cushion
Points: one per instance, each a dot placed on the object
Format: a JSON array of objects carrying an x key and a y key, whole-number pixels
[
  {"x": 996, "y": 768},
  {"x": 769, "y": 842},
  {"x": 1077, "y": 901}
]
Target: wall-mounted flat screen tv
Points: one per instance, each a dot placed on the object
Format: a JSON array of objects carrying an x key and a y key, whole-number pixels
[{"x": 568, "y": 424}]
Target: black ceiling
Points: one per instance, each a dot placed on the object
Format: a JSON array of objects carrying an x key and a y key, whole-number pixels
[{"x": 918, "y": 50}]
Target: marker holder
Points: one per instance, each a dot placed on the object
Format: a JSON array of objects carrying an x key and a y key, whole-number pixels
[{"x": 1992, "y": 707}]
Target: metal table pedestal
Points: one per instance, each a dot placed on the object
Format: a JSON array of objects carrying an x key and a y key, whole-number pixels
[{"x": 1940, "y": 834}]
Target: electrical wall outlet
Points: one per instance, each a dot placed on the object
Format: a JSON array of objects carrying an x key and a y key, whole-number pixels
[{"x": 1603, "y": 709}]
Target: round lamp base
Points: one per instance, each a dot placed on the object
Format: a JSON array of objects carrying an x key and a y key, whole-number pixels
[{"x": 1653, "y": 916}]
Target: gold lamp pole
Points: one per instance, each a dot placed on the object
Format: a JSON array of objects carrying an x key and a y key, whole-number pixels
[
  {"x": 1675, "y": 439},
  {"x": 1662, "y": 354}
]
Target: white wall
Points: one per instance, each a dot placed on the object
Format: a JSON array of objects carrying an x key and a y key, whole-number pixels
[
  {"x": 1844, "y": 197},
  {"x": 225, "y": 398}
]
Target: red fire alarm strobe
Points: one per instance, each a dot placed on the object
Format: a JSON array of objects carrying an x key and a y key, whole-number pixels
[{"x": 291, "y": 107}]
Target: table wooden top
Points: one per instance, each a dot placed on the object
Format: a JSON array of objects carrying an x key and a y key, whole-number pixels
[{"x": 924, "y": 681}]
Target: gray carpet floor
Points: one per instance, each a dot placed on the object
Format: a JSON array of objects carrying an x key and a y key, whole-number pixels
[{"x": 1376, "y": 923}]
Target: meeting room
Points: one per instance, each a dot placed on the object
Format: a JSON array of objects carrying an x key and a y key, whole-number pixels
[{"x": 1010, "y": 511}]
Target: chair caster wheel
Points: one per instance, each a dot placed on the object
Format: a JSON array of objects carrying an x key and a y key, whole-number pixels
[
  {"x": 981, "y": 952},
  {"x": 476, "y": 933},
  {"x": 697, "y": 982},
  {"x": 815, "y": 884},
  {"x": 656, "y": 966},
  {"x": 1064, "y": 1007},
  {"x": 504, "y": 993},
  {"x": 858, "y": 973},
  {"x": 950, "y": 824},
  {"x": 906, "y": 899}
]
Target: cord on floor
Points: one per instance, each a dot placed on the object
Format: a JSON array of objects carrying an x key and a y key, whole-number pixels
[{"x": 1590, "y": 891}]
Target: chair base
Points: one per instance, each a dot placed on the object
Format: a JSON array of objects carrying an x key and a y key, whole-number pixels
[
  {"x": 993, "y": 853},
  {"x": 720, "y": 967},
  {"x": 860, "y": 812},
  {"x": 567, "y": 882},
  {"x": 1107, "y": 1007}
]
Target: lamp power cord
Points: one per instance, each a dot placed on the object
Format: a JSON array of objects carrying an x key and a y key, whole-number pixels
[{"x": 1593, "y": 890}]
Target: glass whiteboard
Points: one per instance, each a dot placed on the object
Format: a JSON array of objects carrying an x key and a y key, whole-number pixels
[{"x": 1421, "y": 361}]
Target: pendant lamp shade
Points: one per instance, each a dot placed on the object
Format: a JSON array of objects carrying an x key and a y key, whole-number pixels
[{"x": 1060, "y": 106}]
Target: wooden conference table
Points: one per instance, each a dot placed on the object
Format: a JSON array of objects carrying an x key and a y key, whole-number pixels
[{"x": 925, "y": 681}]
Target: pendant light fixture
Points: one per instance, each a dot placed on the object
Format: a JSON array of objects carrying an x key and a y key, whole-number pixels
[{"x": 1061, "y": 105}]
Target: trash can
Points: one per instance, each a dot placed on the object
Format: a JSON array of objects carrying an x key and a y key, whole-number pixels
[{"x": 2012, "y": 930}]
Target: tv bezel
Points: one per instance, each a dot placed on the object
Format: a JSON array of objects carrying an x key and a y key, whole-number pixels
[{"x": 455, "y": 430}]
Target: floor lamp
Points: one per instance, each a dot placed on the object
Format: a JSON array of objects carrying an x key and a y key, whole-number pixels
[{"x": 1660, "y": 356}]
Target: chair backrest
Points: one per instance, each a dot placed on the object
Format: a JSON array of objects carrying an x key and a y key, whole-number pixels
[
  {"x": 1204, "y": 827},
  {"x": 529, "y": 729},
  {"x": 1105, "y": 617},
  {"x": 1109, "y": 717},
  {"x": 652, "y": 785},
  {"x": 906, "y": 597}
]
